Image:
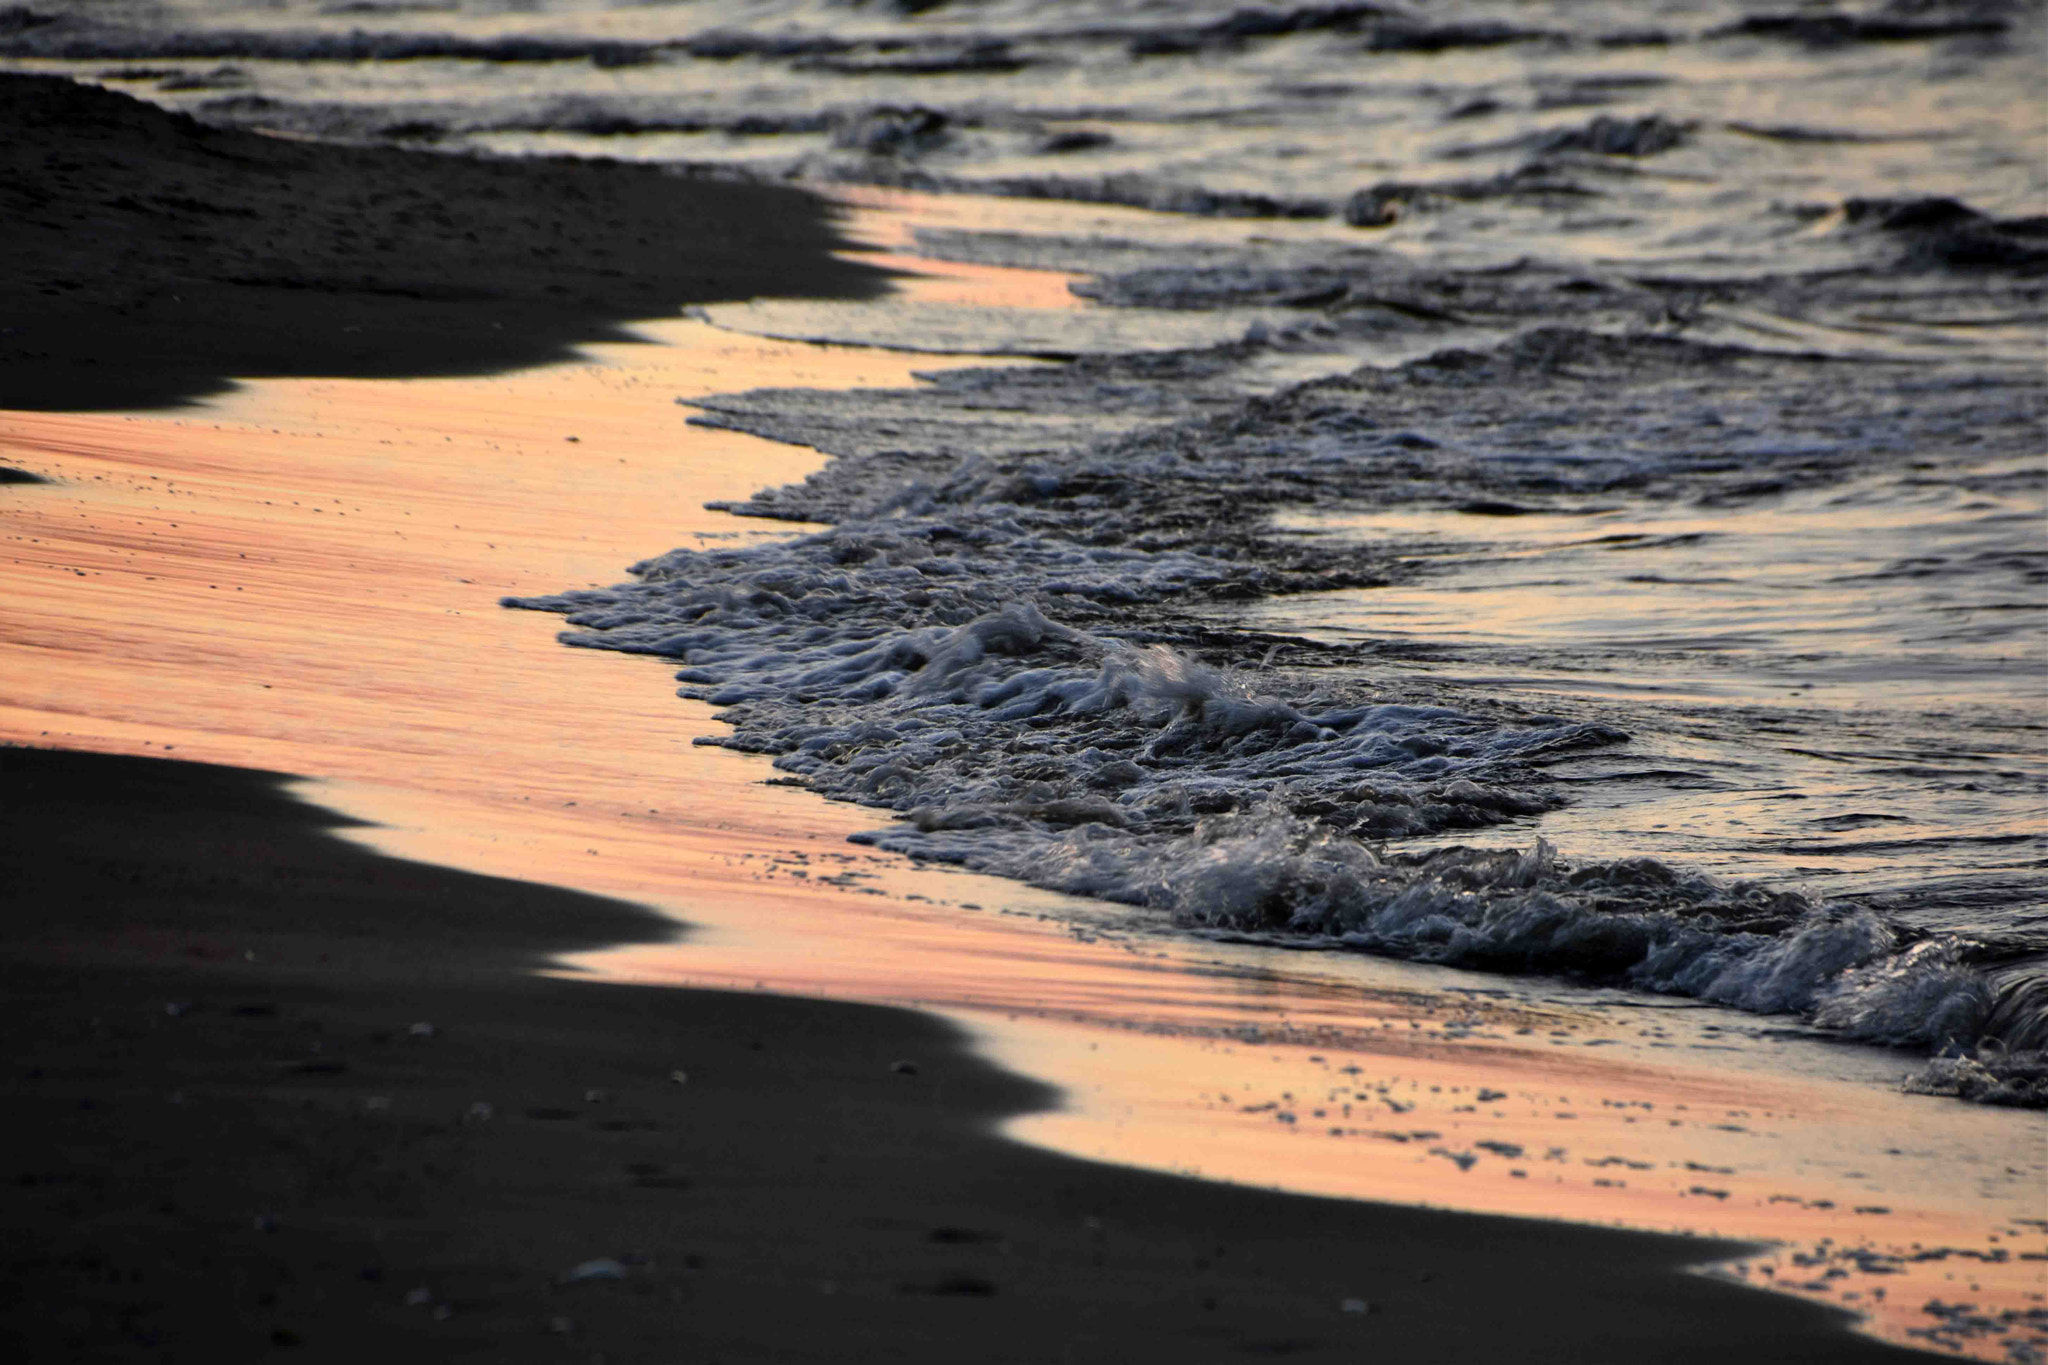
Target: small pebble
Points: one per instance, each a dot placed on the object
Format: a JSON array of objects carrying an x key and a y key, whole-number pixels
[{"x": 603, "y": 1268}]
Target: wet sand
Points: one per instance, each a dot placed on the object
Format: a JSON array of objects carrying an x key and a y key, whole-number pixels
[
  {"x": 274, "y": 1093},
  {"x": 301, "y": 576}
]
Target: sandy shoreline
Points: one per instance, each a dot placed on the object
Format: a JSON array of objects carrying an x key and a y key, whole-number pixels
[
  {"x": 272, "y": 1094},
  {"x": 488, "y": 748},
  {"x": 217, "y": 255}
]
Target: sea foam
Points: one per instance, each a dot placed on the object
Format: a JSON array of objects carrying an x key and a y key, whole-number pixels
[{"x": 1007, "y": 650}]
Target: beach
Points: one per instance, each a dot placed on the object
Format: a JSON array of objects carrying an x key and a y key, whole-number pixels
[
  {"x": 291, "y": 1083},
  {"x": 275, "y": 1094}
]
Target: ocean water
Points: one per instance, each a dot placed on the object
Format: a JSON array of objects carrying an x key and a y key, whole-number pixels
[{"x": 1546, "y": 488}]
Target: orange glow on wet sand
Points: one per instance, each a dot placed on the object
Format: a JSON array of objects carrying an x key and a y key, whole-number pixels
[{"x": 303, "y": 575}]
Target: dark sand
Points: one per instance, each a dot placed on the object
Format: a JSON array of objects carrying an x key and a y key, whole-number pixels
[
  {"x": 225, "y": 1140},
  {"x": 148, "y": 258}
]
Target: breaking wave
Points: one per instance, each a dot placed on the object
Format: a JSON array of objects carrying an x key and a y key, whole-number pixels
[{"x": 1006, "y": 651}]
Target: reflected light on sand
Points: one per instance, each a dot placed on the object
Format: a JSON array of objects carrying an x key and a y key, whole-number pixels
[{"x": 303, "y": 576}]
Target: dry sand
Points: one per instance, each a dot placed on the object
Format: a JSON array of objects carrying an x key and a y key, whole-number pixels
[
  {"x": 300, "y": 576},
  {"x": 151, "y": 259},
  {"x": 275, "y": 1093}
]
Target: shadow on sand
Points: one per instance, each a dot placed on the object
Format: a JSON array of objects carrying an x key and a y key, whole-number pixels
[
  {"x": 271, "y": 1089},
  {"x": 150, "y": 259}
]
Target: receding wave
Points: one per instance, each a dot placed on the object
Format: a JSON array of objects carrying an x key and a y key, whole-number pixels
[{"x": 1009, "y": 652}]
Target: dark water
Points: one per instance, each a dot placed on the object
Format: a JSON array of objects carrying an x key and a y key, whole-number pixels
[{"x": 1547, "y": 488}]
